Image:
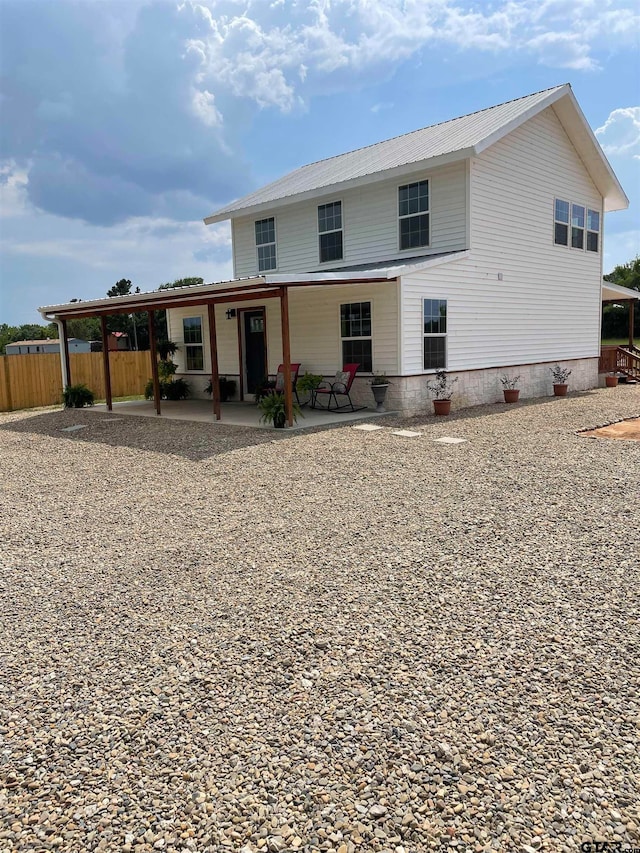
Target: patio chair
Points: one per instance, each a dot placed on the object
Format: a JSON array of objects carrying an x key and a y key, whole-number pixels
[
  {"x": 278, "y": 384},
  {"x": 340, "y": 386}
]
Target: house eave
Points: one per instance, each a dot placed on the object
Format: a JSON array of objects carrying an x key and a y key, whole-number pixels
[{"x": 232, "y": 212}]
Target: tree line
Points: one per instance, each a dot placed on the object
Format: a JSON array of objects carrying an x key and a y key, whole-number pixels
[
  {"x": 136, "y": 326},
  {"x": 615, "y": 318}
]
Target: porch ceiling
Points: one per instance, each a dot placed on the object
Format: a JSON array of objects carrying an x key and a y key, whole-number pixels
[{"x": 617, "y": 293}]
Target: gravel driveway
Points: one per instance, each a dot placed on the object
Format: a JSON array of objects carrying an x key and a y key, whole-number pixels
[{"x": 224, "y": 639}]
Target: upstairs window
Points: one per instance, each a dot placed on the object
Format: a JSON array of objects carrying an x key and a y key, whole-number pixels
[
  {"x": 192, "y": 330},
  {"x": 435, "y": 333},
  {"x": 561, "y": 236},
  {"x": 593, "y": 230},
  {"x": 355, "y": 331},
  {"x": 413, "y": 213},
  {"x": 576, "y": 225},
  {"x": 330, "y": 231},
  {"x": 266, "y": 244}
]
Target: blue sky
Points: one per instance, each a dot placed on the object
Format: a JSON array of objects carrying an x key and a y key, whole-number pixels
[{"x": 125, "y": 123}]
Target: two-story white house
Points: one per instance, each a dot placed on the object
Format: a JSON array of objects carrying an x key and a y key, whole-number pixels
[{"x": 474, "y": 245}]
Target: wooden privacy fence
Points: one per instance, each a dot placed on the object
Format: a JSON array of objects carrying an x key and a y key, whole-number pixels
[{"x": 28, "y": 381}]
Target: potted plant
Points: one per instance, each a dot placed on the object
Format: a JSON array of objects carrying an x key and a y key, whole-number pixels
[
  {"x": 77, "y": 396},
  {"x": 379, "y": 385},
  {"x": 308, "y": 383},
  {"x": 611, "y": 379},
  {"x": 442, "y": 390},
  {"x": 273, "y": 409},
  {"x": 511, "y": 393},
  {"x": 560, "y": 376},
  {"x": 227, "y": 388}
]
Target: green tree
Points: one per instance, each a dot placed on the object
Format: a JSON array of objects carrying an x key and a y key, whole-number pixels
[
  {"x": 615, "y": 318},
  {"x": 626, "y": 275}
]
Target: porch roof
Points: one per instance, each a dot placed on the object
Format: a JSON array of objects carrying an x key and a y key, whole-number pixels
[
  {"x": 259, "y": 286},
  {"x": 617, "y": 293}
]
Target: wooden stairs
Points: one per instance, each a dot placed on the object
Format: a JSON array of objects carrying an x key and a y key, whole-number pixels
[{"x": 625, "y": 361}]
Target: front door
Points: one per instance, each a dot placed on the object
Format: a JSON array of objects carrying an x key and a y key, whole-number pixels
[{"x": 254, "y": 355}]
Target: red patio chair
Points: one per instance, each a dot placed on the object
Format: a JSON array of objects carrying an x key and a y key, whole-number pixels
[{"x": 340, "y": 386}]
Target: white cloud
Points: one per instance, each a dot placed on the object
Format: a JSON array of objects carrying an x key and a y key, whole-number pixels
[
  {"x": 619, "y": 136},
  {"x": 14, "y": 181}
]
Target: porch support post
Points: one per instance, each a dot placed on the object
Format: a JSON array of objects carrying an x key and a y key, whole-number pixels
[
  {"x": 154, "y": 360},
  {"x": 286, "y": 355},
  {"x": 105, "y": 363},
  {"x": 631, "y": 319},
  {"x": 213, "y": 346},
  {"x": 64, "y": 353}
]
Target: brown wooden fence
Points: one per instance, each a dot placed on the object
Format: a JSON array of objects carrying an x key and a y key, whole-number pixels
[{"x": 27, "y": 381}]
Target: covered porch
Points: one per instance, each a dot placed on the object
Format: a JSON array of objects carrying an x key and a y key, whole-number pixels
[
  {"x": 216, "y": 303},
  {"x": 232, "y": 413},
  {"x": 621, "y": 359}
]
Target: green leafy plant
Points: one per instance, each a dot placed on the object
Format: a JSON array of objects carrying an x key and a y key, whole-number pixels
[
  {"x": 380, "y": 379},
  {"x": 227, "y": 387},
  {"x": 560, "y": 374},
  {"x": 77, "y": 396},
  {"x": 442, "y": 388},
  {"x": 509, "y": 383},
  {"x": 309, "y": 382},
  {"x": 166, "y": 348},
  {"x": 176, "y": 389},
  {"x": 273, "y": 409}
]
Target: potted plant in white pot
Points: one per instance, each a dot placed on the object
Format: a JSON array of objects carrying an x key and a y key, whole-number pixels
[
  {"x": 560, "y": 376},
  {"x": 509, "y": 388},
  {"x": 379, "y": 385},
  {"x": 442, "y": 390}
]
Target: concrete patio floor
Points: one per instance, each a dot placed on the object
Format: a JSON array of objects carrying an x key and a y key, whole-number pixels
[{"x": 233, "y": 414}]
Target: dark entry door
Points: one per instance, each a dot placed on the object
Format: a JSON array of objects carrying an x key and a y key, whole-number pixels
[{"x": 255, "y": 363}]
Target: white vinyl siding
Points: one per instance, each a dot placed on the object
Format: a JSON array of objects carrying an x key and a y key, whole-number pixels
[
  {"x": 371, "y": 229},
  {"x": 314, "y": 322},
  {"x": 517, "y": 298}
]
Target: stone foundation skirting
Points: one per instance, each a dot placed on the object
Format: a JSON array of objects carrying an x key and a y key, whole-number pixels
[{"x": 409, "y": 395}]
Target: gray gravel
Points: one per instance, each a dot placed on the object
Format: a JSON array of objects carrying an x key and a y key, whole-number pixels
[{"x": 224, "y": 639}]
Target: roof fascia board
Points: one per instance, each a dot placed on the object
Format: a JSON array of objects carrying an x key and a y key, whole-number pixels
[
  {"x": 591, "y": 153},
  {"x": 353, "y": 183},
  {"x": 620, "y": 291},
  {"x": 512, "y": 125},
  {"x": 138, "y": 299},
  {"x": 606, "y": 182}
]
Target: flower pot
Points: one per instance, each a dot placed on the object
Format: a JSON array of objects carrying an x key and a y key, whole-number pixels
[
  {"x": 279, "y": 420},
  {"x": 611, "y": 381},
  {"x": 511, "y": 395},
  {"x": 442, "y": 407},
  {"x": 379, "y": 393},
  {"x": 560, "y": 390}
]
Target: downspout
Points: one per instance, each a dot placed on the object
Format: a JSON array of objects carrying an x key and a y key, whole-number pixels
[{"x": 63, "y": 357}]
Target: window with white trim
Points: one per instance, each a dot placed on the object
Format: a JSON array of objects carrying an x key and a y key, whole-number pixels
[
  {"x": 330, "y": 231},
  {"x": 355, "y": 332},
  {"x": 194, "y": 350},
  {"x": 593, "y": 230},
  {"x": 576, "y": 226},
  {"x": 413, "y": 214},
  {"x": 434, "y": 333},
  {"x": 266, "y": 244}
]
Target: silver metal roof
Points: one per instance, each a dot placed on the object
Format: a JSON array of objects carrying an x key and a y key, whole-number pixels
[{"x": 464, "y": 135}]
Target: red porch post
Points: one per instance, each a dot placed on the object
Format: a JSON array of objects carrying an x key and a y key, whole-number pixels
[
  {"x": 154, "y": 360},
  {"x": 286, "y": 354},
  {"x": 105, "y": 362},
  {"x": 213, "y": 346}
]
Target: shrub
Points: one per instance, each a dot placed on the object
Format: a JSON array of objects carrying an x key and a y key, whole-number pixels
[
  {"x": 560, "y": 374},
  {"x": 77, "y": 396},
  {"x": 442, "y": 388},
  {"x": 227, "y": 388},
  {"x": 509, "y": 383},
  {"x": 176, "y": 389}
]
